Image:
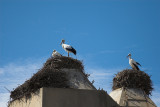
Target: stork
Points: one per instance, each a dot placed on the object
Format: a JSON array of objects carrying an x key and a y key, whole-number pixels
[
  {"x": 55, "y": 54},
  {"x": 133, "y": 63},
  {"x": 68, "y": 48}
]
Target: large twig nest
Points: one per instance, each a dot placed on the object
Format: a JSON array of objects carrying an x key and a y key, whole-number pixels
[
  {"x": 133, "y": 79},
  {"x": 50, "y": 75}
]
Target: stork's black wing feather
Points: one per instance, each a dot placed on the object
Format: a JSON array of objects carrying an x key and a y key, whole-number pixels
[
  {"x": 71, "y": 50},
  {"x": 138, "y": 64}
]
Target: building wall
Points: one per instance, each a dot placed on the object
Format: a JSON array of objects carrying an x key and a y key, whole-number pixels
[
  {"x": 130, "y": 97},
  {"x": 59, "y": 97},
  {"x": 54, "y": 97}
]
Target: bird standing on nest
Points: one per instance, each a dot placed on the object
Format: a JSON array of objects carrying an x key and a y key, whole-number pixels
[
  {"x": 133, "y": 63},
  {"x": 55, "y": 54},
  {"x": 68, "y": 48}
]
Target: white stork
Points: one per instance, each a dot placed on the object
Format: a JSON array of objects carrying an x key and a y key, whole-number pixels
[
  {"x": 133, "y": 63},
  {"x": 55, "y": 54},
  {"x": 68, "y": 48}
]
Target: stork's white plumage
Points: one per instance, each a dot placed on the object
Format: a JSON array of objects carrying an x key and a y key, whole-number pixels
[
  {"x": 68, "y": 48},
  {"x": 55, "y": 54},
  {"x": 133, "y": 63}
]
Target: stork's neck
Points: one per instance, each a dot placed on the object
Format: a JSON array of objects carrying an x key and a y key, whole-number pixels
[
  {"x": 129, "y": 57},
  {"x": 62, "y": 44}
]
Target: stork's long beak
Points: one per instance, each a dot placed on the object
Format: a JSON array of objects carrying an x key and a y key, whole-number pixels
[
  {"x": 127, "y": 56},
  {"x": 61, "y": 43}
]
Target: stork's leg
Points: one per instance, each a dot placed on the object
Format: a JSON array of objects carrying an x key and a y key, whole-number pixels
[{"x": 68, "y": 54}]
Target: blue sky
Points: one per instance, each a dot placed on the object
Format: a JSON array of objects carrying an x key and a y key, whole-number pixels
[{"x": 103, "y": 33}]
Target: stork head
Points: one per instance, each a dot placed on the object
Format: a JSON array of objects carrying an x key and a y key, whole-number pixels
[
  {"x": 54, "y": 50},
  {"x": 62, "y": 41},
  {"x": 129, "y": 55}
]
